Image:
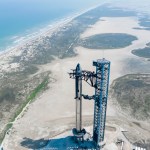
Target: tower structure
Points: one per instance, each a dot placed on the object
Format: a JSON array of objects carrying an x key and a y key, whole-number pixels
[
  {"x": 100, "y": 81},
  {"x": 101, "y": 94}
]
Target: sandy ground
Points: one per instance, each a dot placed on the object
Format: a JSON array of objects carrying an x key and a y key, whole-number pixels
[{"x": 51, "y": 110}]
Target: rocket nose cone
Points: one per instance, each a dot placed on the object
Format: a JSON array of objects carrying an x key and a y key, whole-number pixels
[{"x": 78, "y": 68}]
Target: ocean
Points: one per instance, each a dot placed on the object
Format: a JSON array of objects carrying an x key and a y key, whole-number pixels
[{"x": 19, "y": 19}]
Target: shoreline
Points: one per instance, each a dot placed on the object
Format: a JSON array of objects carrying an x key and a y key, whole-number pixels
[
  {"x": 44, "y": 31},
  {"x": 55, "y": 25}
]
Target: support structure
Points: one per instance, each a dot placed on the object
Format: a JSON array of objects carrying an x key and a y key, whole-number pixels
[
  {"x": 101, "y": 94},
  {"x": 100, "y": 81}
]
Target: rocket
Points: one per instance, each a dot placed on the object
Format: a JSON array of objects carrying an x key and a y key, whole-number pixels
[{"x": 78, "y": 97}]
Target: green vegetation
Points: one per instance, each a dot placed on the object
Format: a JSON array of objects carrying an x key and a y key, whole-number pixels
[
  {"x": 7, "y": 94},
  {"x": 29, "y": 99},
  {"x": 108, "y": 41},
  {"x": 144, "y": 52},
  {"x": 148, "y": 44},
  {"x": 5, "y": 131},
  {"x": 30, "y": 69},
  {"x": 38, "y": 89},
  {"x": 145, "y": 22},
  {"x": 132, "y": 94}
]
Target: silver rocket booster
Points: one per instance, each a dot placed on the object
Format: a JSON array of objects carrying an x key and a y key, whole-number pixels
[{"x": 78, "y": 97}]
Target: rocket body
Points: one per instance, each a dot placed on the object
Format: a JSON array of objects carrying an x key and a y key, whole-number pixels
[{"x": 78, "y": 94}]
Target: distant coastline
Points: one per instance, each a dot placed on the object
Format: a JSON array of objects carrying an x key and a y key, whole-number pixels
[
  {"x": 29, "y": 17},
  {"x": 49, "y": 28}
]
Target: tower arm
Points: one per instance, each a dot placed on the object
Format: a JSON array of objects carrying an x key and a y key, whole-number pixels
[
  {"x": 87, "y": 76},
  {"x": 88, "y": 97}
]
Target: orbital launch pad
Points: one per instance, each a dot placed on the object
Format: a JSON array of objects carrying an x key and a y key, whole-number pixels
[{"x": 99, "y": 80}]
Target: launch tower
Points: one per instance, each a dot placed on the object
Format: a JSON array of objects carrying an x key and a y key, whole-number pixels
[{"x": 100, "y": 81}]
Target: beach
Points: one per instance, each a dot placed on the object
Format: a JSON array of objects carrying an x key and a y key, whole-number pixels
[{"x": 54, "y": 110}]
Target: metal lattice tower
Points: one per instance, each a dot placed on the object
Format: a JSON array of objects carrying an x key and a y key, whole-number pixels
[
  {"x": 100, "y": 81},
  {"x": 101, "y": 94}
]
